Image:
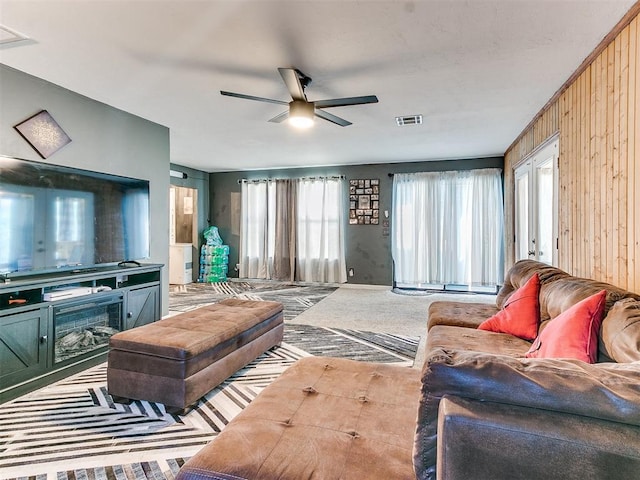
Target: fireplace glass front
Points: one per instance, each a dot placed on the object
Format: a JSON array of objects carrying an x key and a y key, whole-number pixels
[{"x": 86, "y": 325}]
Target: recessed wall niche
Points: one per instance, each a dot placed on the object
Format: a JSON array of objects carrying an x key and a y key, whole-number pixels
[{"x": 364, "y": 201}]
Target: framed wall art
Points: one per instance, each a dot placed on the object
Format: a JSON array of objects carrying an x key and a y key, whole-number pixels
[
  {"x": 43, "y": 133},
  {"x": 364, "y": 201}
]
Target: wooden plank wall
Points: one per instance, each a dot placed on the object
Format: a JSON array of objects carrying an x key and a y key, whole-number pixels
[{"x": 598, "y": 121}]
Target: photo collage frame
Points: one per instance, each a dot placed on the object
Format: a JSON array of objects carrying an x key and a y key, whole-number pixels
[{"x": 364, "y": 201}]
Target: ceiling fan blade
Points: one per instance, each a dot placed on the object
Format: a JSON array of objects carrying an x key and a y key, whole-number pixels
[
  {"x": 332, "y": 118},
  {"x": 280, "y": 117},
  {"x": 343, "y": 102},
  {"x": 251, "y": 97},
  {"x": 292, "y": 81}
]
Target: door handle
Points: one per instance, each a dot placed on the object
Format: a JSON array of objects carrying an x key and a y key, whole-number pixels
[{"x": 532, "y": 252}]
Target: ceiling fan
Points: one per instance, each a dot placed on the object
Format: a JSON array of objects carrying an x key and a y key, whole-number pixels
[{"x": 301, "y": 112}]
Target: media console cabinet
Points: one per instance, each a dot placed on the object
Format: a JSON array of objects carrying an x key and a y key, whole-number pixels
[{"x": 54, "y": 325}]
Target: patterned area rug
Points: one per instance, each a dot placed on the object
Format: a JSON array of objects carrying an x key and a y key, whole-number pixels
[
  {"x": 73, "y": 429},
  {"x": 295, "y": 298}
]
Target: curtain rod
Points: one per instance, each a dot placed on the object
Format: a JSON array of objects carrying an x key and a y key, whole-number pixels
[{"x": 320, "y": 177}]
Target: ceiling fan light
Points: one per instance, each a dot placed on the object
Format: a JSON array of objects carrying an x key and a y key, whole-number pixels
[
  {"x": 301, "y": 114},
  {"x": 301, "y": 122}
]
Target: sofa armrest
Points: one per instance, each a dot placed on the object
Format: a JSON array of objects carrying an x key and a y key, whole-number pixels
[
  {"x": 487, "y": 441},
  {"x": 606, "y": 391}
]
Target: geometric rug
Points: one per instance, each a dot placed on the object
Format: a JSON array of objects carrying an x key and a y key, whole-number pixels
[
  {"x": 296, "y": 298},
  {"x": 72, "y": 429}
]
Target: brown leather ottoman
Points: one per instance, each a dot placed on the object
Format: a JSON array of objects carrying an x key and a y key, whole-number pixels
[
  {"x": 177, "y": 360},
  {"x": 325, "y": 418}
]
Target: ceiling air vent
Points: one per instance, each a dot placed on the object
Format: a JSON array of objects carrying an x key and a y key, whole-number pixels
[{"x": 409, "y": 120}]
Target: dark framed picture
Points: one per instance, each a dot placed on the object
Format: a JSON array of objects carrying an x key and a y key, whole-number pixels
[
  {"x": 364, "y": 201},
  {"x": 43, "y": 133}
]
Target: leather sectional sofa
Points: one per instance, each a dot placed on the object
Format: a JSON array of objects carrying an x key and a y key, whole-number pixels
[{"x": 484, "y": 410}]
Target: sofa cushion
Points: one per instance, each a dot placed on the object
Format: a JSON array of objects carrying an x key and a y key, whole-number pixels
[
  {"x": 461, "y": 314},
  {"x": 620, "y": 332},
  {"x": 558, "y": 296},
  {"x": 520, "y": 315},
  {"x": 574, "y": 333},
  {"x": 473, "y": 340},
  {"x": 520, "y": 273}
]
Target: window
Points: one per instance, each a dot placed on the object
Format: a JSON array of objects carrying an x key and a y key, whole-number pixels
[
  {"x": 536, "y": 206},
  {"x": 447, "y": 229},
  {"x": 293, "y": 229}
]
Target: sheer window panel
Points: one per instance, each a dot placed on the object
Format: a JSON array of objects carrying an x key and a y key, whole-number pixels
[{"x": 447, "y": 228}]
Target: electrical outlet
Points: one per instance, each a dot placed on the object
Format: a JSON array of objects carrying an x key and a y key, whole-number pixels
[{"x": 351, "y": 272}]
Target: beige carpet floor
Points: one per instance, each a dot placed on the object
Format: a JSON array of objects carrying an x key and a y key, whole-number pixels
[{"x": 378, "y": 309}]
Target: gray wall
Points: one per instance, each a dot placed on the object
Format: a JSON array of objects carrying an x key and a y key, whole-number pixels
[
  {"x": 104, "y": 139},
  {"x": 368, "y": 250}
]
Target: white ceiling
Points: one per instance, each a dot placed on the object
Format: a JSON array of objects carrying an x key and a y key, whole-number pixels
[{"x": 478, "y": 70}]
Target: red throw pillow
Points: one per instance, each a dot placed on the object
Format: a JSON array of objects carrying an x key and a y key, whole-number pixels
[
  {"x": 573, "y": 333},
  {"x": 520, "y": 316}
]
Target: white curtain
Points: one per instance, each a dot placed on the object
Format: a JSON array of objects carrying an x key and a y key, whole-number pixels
[
  {"x": 258, "y": 201},
  {"x": 320, "y": 231},
  {"x": 315, "y": 234},
  {"x": 447, "y": 228}
]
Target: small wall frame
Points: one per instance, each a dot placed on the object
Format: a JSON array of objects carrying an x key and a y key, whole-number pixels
[
  {"x": 43, "y": 133},
  {"x": 364, "y": 201}
]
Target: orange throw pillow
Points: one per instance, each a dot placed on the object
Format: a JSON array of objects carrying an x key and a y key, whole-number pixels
[
  {"x": 520, "y": 316},
  {"x": 573, "y": 333}
]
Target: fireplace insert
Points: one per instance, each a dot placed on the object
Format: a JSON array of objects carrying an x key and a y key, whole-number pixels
[{"x": 86, "y": 325}]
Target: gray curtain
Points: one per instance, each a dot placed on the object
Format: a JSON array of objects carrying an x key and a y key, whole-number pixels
[{"x": 284, "y": 255}]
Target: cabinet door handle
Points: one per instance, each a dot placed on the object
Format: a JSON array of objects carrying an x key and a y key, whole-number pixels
[
  {"x": 129, "y": 314},
  {"x": 43, "y": 339}
]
